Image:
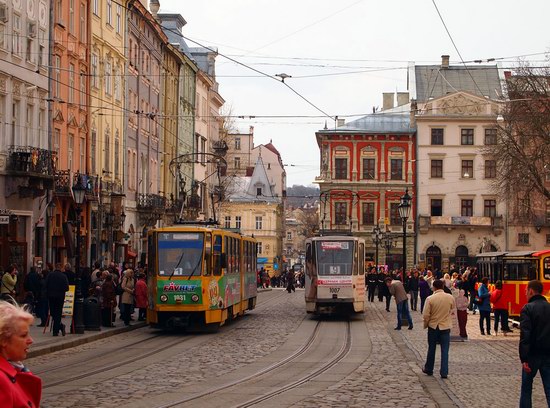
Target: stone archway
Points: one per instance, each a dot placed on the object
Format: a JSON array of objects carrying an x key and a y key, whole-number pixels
[{"x": 433, "y": 257}]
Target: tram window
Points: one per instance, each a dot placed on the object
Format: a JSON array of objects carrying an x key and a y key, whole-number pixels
[
  {"x": 207, "y": 270},
  {"x": 547, "y": 268},
  {"x": 217, "y": 252}
]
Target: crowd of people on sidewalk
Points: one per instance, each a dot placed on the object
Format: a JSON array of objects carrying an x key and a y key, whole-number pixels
[
  {"x": 470, "y": 293},
  {"x": 44, "y": 291}
]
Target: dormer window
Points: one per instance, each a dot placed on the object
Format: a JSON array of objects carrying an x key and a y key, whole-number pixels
[{"x": 258, "y": 191}]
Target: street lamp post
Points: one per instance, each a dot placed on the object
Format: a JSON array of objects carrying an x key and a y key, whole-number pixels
[
  {"x": 50, "y": 211},
  {"x": 389, "y": 243},
  {"x": 78, "y": 192},
  {"x": 376, "y": 239},
  {"x": 404, "y": 213}
]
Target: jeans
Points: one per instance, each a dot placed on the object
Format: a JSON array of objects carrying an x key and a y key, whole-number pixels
[
  {"x": 126, "y": 311},
  {"x": 56, "y": 309},
  {"x": 444, "y": 339},
  {"x": 502, "y": 316},
  {"x": 414, "y": 299},
  {"x": 527, "y": 383},
  {"x": 403, "y": 311},
  {"x": 422, "y": 302},
  {"x": 388, "y": 301},
  {"x": 487, "y": 317}
]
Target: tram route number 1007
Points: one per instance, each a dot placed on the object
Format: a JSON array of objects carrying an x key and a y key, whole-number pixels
[{"x": 334, "y": 290}]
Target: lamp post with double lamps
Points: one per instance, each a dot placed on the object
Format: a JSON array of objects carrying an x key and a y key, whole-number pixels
[
  {"x": 404, "y": 213},
  {"x": 376, "y": 239},
  {"x": 78, "y": 192}
]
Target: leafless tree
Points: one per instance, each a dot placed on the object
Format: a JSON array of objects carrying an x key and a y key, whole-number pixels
[
  {"x": 309, "y": 222},
  {"x": 522, "y": 149}
]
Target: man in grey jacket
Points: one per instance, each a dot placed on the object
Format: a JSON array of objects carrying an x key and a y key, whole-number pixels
[{"x": 397, "y": 289}]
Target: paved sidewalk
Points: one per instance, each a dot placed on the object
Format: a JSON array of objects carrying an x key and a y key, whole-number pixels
[
  {"x": 44, "y": 342},
  {"x": 484, "y": 371}
]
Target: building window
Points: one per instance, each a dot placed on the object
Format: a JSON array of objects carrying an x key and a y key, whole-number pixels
[
  {"x": 95, "y": 79},
  {"x": 259, "y": 191},
  {"x": 396, "y": 169},
  {"x": 95, "y": 7},
  {"x": 71, "y": 16},
  {"x": 118, "y": 26},
  {"x": 340, "y": 213},
  {"x": 524, "y": 207},
  {"x": 490, "y": 136},
  {"x": 57, "y": 74},
  {"x": 237, "y": 143},
  {"x": 259, "y": 246},
  {"x": 238, "y": 222},
  {"x": 93, "y": 146},
  {"x": 107, "y": 151},
  {"x": 395, "y": 219},
  {"x": 71, "y": 83},
  {"x": 467, "y": 136},
  {"x": 523, "y": 238},
  {"x": 82, "y": 22},
  {"x": 437, "y": 168},
  {"x": 70, "y": 152},
  {"x": 237, "y": 161},
  {"x": 467, "y": 208},
  {"x": 108, "y": 74},
  {"x": 369, "y": 171},
  {"x": 437, "y": 136},
  {"x": 16, "y": 36},
  {"x": 82, "y": 151},
  {"x": 117, "y": 155},
  {"x": 110, "y": 12},
  {"x": 467, "y": 168},
  {"x": 490, "y": 208},
  {"x": 117, "y": 90},
  {"x": 82, "y": 90},
  {"x": 436, "y": 207},
  {"x": 56, "y": 141},
  {"x": 289, "y": 236},
  {"x": 227, "y": 221},
  {"x": 3, "y": 31},
  {"x": 259, "y": 222},
  {"x": 368, "y": 213},
  {"x": 490, "y": 169},
  {"x": 341, "y": 168}
]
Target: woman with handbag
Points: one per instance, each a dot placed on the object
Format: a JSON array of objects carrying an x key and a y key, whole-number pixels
[{"x": 9, "y": 282}]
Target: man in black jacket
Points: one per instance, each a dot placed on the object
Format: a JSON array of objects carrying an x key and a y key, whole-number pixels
[
  {"x": 372, "y": 281},
  {"x": 534, "y": 342},
  {"x": 56, "y": 286}
]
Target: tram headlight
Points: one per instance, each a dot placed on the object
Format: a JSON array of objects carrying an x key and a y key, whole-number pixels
[
  {"x": 163, "y": 298},
  {"x": 195, "y": 297}
]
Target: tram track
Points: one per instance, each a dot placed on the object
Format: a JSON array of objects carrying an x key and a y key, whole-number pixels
[
  {"x": 306, "y": 346},
  {"x": 156, "y": 350}
]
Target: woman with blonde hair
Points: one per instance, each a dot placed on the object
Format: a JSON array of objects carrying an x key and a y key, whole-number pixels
[{"x": 18, "y": 386}]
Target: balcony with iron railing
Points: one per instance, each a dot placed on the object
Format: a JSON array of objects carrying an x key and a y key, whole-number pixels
[
  {"x": 30, "y": 161},
  {"x": 151, "y": 202},
  {"x": 65, "y": 180},
  {"x": 425, "y": 222}
]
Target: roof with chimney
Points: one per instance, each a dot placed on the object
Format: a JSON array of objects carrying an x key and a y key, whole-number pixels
[{"x": 433, "y": 81}]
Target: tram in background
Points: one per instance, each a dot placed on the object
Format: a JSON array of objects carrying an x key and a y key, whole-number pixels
[
  {"x": 515, "y": 270},
  {"x": 199, "y": 276},
  {"x": 335, "y": 274}
]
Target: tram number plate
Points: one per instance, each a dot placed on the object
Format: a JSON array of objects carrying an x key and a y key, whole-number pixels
[
  {"x": 334, "y": 290},
  {"x": 179, "y": 298}
]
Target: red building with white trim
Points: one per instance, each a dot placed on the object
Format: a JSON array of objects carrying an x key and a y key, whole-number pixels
[{"x": 366, "y": 166}]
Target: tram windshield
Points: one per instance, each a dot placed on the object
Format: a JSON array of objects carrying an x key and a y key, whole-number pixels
[
  {"x": 334, "y": 257},
  {"x": 180, "y": 253}
]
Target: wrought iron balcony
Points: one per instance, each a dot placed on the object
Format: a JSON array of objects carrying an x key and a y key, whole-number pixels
[
  {"x": 151, "y": 202},
  {"x": 220, "y": 147},
  {"x": 64, "y": 183},
  {"x": 30, "y": 161},
  {"x": 174, "y": 206}
]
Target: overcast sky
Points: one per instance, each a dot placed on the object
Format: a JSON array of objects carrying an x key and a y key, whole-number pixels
[{"x": 323, "y": 44}]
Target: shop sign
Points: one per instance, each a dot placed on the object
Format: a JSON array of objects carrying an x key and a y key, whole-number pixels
[{"x": 4, "y": 219}]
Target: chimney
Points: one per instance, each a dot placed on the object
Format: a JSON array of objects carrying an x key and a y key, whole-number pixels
[
  {"x": 154, "y": 6},
  {"x": 387, "y": 100},
  {"x": 340, "y": 122},
  {"x": 402, "y": 98},
  {"x": 444, "y": 61},
  {"x": 251, "y": 130}
]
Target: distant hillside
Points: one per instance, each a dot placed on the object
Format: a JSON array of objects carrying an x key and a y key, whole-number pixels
[{"x": 298, "y": 196}]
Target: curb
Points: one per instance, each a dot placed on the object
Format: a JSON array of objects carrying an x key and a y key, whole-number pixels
[{"x": 83, "y": 340}]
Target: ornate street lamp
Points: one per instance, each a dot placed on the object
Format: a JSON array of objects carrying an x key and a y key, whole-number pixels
[
  {"x": 376, "y": 239},
  {"x": 79, "y": 193},
  {"x": 50, "y": 211},
  {"x": 404, "y": 213}
]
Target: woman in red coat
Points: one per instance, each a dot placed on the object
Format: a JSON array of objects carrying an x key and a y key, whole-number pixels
[
  {"x": 18, "y": 386},
  {"x": 141, "y": 296},
  {"x": 500, "y": 309}
]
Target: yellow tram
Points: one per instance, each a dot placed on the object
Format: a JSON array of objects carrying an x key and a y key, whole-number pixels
[{"x": 199, "y": 276}]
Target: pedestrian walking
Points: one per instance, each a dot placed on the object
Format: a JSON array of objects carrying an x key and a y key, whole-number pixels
[
  {"x": 290, "y": 281},
  {"x": 108, "y": 299},
  {"x": 424, "y": 291},
  {"x": 381, "y": 286},
  {"x": 534, "y": 343},
  {"x": 413, "y": 290},
  {"x": 43, "y": 308},
  {"x": 437, "y": 319},
  {"x": 18, "y": 386},
  {"x": 485, "y": 306},
  {"x": 472, "y": 282},
  {"x": 372, "y": 281},
  {"x": 9, "y": 283},
  {"x": 127, "y": 298},
  {"x": 397, "y": 289},
  {"x": 462, "y": 313},
  {"x": 141, "y": 297},
  {"x": 500, "y": 309},
  {"x": 56, "y": 286}
]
